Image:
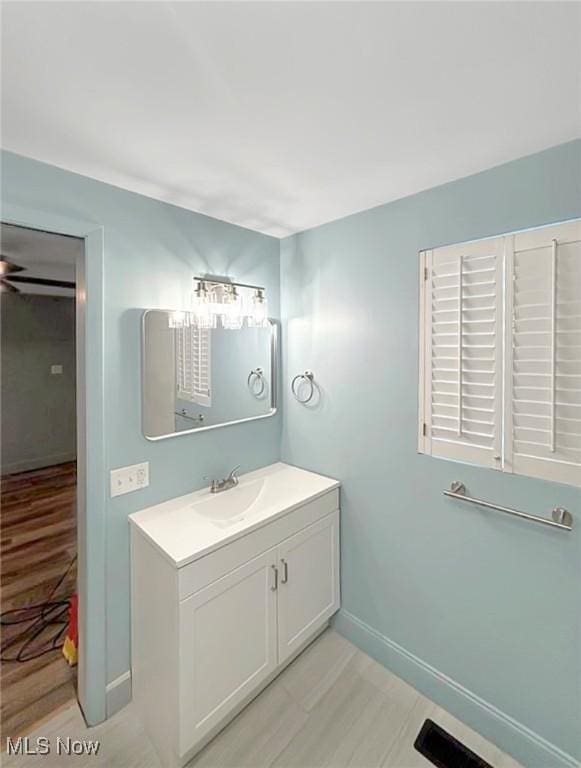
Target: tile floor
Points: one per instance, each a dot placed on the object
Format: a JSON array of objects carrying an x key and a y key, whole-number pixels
[{"x": 333, "y": 707}]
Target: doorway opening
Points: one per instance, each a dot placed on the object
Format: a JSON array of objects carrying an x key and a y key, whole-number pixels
[{"x": 38, "y": 566}]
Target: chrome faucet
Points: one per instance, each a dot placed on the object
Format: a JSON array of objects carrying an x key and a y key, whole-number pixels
[{"x": 217, "y": 486}]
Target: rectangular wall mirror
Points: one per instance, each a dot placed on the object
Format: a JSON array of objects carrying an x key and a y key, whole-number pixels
[{"x": 198, "y": 378}]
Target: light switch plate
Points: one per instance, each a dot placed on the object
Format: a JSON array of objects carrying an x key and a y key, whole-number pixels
[
  {"x": 127, "y": 479},
  {"x": 56, "y": 369}
]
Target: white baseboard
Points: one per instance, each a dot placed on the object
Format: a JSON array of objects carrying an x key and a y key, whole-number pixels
[
  {"x": 27, "y": 465},
  {"x": 507, "y": 733},
  {"x": 118, "y": 693}
]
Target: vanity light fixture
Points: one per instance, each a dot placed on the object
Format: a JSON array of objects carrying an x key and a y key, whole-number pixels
[{"x": 215, "y": 298}]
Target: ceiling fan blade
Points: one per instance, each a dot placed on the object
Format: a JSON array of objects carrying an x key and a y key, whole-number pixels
[
  {"x": 40, "y": 281},
  {"x": 8, "y": 267},
  {"x": 7, "y": 288}
]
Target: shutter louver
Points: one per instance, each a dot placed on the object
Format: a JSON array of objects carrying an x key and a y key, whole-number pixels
[
  {"x": 463, "y": 311},
  {"x": 192, "y": 357},
  {"x": 546, "y": 354}
]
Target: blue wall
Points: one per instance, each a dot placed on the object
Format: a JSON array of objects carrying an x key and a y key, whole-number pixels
[
  {"x": 152, "y": 251},
  {"x": 480, "y": 611},
  {"x": 488, "y": 601}
]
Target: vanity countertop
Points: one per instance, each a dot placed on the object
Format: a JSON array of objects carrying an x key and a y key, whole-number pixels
[{"x": 191, "y": 526}]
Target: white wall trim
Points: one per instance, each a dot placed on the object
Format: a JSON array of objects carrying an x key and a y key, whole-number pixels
[
  {"x": 118, "y": 693},
  {"x": 501, "y": 729}
]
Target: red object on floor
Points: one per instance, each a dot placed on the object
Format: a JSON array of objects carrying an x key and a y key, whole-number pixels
[{"x": 70, "y": 646}]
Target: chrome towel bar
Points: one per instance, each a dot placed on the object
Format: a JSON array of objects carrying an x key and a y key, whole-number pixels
[
  {"x": 198, "y": 419},
  {"x": 562, "y": 518}
]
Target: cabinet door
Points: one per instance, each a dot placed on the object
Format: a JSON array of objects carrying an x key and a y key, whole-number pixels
[
  {"x": 308, "y": 593},
  {"x": 227, "y": 645}
]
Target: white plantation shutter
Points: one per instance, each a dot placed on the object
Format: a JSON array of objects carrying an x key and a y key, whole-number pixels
[
  {"x": 462, "y": 318},
  {"x": 544, "y": 353},
  {"x": 192, "y": 356},
  {"x": 500, "y": 353}
]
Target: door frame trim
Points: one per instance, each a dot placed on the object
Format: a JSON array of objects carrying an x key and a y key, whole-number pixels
[{"x": 91, "y": 460}]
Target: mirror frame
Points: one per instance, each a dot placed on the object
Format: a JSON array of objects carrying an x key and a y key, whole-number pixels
[{"x": 273, "y": 384}]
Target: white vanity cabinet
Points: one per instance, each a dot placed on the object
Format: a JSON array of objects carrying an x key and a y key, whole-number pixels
[
  {"x": 228, "y": 645},
  {"x": 210, "y": 631},
  {"x": 309, "y": 583}
]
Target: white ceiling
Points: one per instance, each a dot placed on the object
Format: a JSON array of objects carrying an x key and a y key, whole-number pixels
[
  {"x": 43, "y": 255},
  {"x": 281, "y": 116}
]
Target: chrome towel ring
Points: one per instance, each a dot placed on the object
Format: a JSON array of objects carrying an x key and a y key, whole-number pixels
[
  {"x": 256, "y": 375},
  {"x": 306, "y": 377}
]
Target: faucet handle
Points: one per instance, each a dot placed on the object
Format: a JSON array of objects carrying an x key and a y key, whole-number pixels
[
  {"x": 213, "y": 483},
  {"x": 232, "y": 475}
]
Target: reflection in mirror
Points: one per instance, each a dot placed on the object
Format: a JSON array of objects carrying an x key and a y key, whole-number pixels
[{"x": 196, "y": 378}]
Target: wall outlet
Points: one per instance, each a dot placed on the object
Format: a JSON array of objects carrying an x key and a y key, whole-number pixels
[
  {"x": 56, "y": 369},
  {"x": 127, "y": 479}
]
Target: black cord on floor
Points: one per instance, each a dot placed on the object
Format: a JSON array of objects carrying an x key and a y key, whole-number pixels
[{"x": 38, "y": 618}]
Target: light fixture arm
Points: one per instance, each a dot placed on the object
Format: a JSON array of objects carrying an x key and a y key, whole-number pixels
[{"x": 217, "y": 281}]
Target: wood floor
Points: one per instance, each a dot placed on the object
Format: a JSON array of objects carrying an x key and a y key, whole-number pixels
[
  {"x": 333, "y": 707},
  {"x": 38, "y": 540}
]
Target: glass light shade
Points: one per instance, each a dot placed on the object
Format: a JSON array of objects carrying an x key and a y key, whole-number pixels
[
  {"x": 179, "y": 319},
  {"x": 215, "y": 300},
  {"x": 231, "y": 309},
  {"x": 202, "y": 317},
  {"x": 203, "y": 310},
  {"x": 258, "y": 316},
  {"x": 232, "y": 322}
]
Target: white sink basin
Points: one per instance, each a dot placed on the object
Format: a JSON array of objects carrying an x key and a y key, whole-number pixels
[
  {"x": 231, "y": 506},
  {"x": 188, "y": 527}
]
